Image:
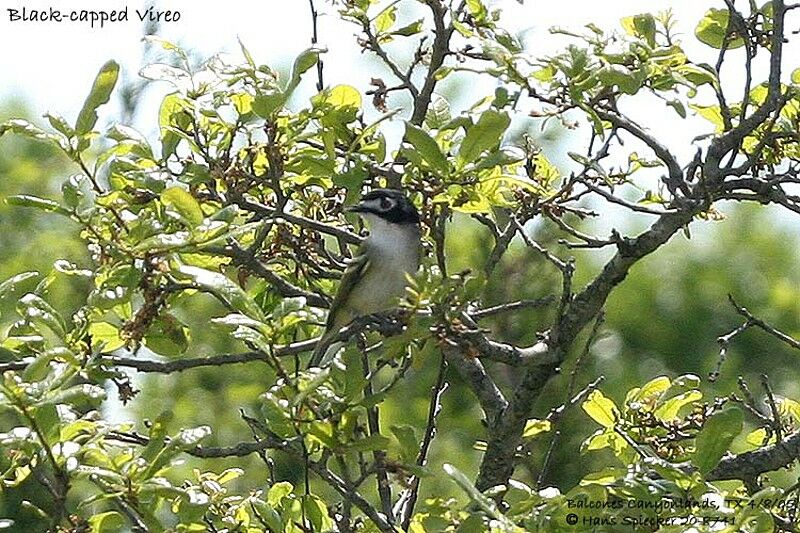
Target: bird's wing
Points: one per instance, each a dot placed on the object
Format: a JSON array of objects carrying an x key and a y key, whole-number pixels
[{"x": 354, "y": 272}]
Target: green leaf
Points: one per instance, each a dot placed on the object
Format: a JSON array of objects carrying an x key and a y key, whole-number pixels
[
  {"x": 478, "y": 10},
  {"x": 264, "y": 105},
  {"x": 697, "y": 74},
  {"x": 409, "y": 444},
  {"x": 39, "y": 367},
  {"x": 26, "y": 200},
  {"x": 386, "y": 18},
  {"x": 339, "y": 104},
  {"x": 758, "y": 438},
  {"x": 166, "y": 45},
  {"x": 438, "y": 112},
  {"x": 37, "y": 311},
  {"x": 678, "y": 106},
  {"x": 60, "y": 124},
  {"x": 502, "y": 157},
  {"x": 79, "y": 195},
  {"x": 164, "y": 241},
  {"x": 107, "y": 335},
  {"x": 601, "y": 409},
  {"x": 184, "y": 203},
  {"x": 100, "y": 94},
  {"x": 225, "y": 289},
  {"x": 79, "y": 393},
  {"x": 46, "y": 416},
  {"x": 427, "y": 148},
  {"x": 25, "y": 128},
  {"x": 410, "y": 29},
  {"x": 371, "y": 443},
  {"x": 712, "y": 28},
  {"x": 307, "y": 59},
  {"x": 642, "y": 26},
  {"x": 246, "y": 53},
  {"x": 606, "y": 438},
  {"x": 652, "y": 388},
  {"x": 276, "y": 416},
  {"x": 484, "y": 135},
  {"x": 10, "y": 285},
  {"x": 317, "y": 513},
  {"x": 487, "y": 505},
  {"x": 167, "y": 336},
  {"x": 711, "y": 113},
  {"x": 229, "y": 475},
  {"x": 268, "y": 515},
  {"x": 796, "y": 76},
  {"x": 106, "y": 522},
  {"x": 670, "y": 408},
  {"x": 534, "y": 427},
  {"x": 545, "y": 74},
  {"x": 716, "y": 437},
  {"x": 242, "y": 102},
  {"x": 278, "y": 492},
  {"x": 442, "y": 72},
  {"x": 615, "y": 75},
  {"x": 175, "y": 113}
]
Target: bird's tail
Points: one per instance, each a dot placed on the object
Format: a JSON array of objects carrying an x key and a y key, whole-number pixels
[{"x": 325, "y": 350}]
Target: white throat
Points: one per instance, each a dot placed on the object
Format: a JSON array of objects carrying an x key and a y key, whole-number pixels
[
  {"x": 387, "y": 235},
  {"x": 394, "y": 245}
]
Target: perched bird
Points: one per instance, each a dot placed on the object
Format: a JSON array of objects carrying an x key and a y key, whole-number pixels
[{"x": 376, "y": 277}]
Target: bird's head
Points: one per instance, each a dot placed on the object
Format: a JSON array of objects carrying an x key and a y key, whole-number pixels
[{"x": 386, "y": 205}]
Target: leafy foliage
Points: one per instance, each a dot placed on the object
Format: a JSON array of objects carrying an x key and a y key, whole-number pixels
[{"x": 236, "y": 211}]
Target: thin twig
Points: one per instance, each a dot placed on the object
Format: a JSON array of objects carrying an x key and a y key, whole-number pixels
[
  {"x": 408, "y": 499},
  {"x": 724, "y": 341},
  {"x": 757, "y": 322},
  {"x": 379, "y": 456},
  {"x": 487, "y": 312},
  {"x": 314, "y": 41},
  {"x": 776, "y": 424}
]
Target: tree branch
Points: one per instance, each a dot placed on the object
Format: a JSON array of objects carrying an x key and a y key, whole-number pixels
[
  {"x": 471, "y": 370},
  {"x": 752, "y": 464}
]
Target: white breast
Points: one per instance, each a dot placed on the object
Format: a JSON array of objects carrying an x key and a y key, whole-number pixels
[{"x": 393, "y": 254}]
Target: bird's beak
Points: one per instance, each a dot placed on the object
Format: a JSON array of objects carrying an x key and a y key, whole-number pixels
[{"x": 358, "y": 208}]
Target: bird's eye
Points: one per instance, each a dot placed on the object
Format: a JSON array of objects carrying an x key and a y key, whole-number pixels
[{"x": 386, "y": 203}]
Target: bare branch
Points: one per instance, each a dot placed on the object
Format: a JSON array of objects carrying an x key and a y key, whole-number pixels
[
  {"x": 757, "y": 322},
  {"x": 373, "y": 422},
  {"x": 675, "y": 174},
  {"x": 776, "y": 425},
  {"x": 729, "y": 140},
  {"x": 752, "y": 464},
  {"x": 724, "y": 341},
  {"x": 316, "y": 225},
  {"x": 314, "y": 40},
  {"x": 404, "y": 509},
  {"x": 474, "y": 342},
  {"x": 439, "y": 50},
  {"x": 624, "y": 203},
  {"x": 491, "y": 398},
  {"x": 487, "y": 312},
  {"x": 242, "y": 257}
]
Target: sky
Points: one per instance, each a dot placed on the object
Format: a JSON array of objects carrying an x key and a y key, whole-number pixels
[{"x": 51, "y": 65}]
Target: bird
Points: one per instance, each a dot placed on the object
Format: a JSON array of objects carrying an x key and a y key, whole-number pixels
[{"x": 378, "y": 274}]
